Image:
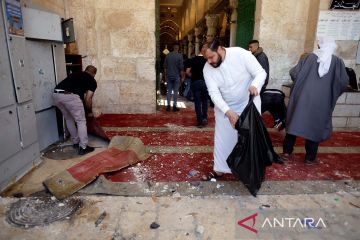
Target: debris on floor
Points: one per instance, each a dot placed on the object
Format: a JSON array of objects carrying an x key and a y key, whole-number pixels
[
  {"x": 154, "y": 225},
  {"x": 100, "y": 218}
]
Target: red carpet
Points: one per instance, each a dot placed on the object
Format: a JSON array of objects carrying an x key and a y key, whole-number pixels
[
  {"x": 206, "y": 138},
  {"x": 176, "y": 167},
  {"x": 180, "y": 167}
]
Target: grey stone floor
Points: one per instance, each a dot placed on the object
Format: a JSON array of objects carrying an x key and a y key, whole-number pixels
[{"x": 336, "y": 216}]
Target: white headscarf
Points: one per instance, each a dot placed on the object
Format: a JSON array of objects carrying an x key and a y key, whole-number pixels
[{"x": 327, "y": 49}]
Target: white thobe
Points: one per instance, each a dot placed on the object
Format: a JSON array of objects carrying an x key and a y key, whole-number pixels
[{"x": 228, "y": 87}]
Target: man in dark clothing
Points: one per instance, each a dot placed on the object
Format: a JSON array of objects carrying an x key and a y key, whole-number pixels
[
  {"x": 272, "y": 100},
  {"x": 319, "y": 79},
  {"x": 258, "y": 52},
  {"x": 69, "y": 96},
  {"x": 173, "y": 69},
  {"x": 198, "y": 87}
]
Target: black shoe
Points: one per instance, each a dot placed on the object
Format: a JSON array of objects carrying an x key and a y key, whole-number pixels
[
  {"x": 278, "y": 160},
  {"x": 200, "y": 126},
  {"x": 168, "y": 108},
  {"x": 204, "y": 122},
  {"x": 83, "y": 151},
  {"x": 313, "y": 162},
  {"x": 76, "y": 146},
  {"x": 175, "y": 109}
]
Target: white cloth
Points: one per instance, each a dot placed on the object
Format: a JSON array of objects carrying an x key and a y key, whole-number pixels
[
  {"x": 228, "y": 87},
  {"x": 327, "y": 49}
]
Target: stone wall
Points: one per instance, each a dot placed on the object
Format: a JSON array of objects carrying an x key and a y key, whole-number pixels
[
  {"x": 282, "y": 29},
  {"x": 346, "y": 49},
  {"x": 286, "y": 32},
  {"x": 118, "y": 37}
]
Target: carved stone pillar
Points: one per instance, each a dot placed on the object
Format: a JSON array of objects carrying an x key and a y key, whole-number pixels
[
  {"x": 198, "y": 32},
  {"x": 233, "y": 4},
  {"x": 190, "y": 45},
  {"x": 212, "y": 22}
]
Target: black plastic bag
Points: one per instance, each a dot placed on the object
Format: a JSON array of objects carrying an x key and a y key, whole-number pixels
[{"x": 253, "y": 151}]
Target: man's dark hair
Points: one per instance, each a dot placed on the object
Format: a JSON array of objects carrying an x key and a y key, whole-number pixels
[
  {"x": 175, "y": 46},
  {"x": 91, "y": 69},
  {"x": 253, "y": 41},
  {"x": 215, "y": 44}
]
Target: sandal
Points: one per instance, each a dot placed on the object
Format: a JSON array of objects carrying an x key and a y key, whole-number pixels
[{"x": 210, "y": 175}]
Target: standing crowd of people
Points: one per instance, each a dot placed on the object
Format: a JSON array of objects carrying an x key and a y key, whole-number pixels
[{"x": 230, "y": 75}]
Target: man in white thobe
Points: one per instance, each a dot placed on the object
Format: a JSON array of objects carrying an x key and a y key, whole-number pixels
[{"x": 231, "y": 74}]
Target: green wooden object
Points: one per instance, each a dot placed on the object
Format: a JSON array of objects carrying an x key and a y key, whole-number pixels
[{"x": 245, "y": 22}]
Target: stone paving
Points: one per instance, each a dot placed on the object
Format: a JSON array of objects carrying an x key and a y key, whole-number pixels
[{"x": 335, "y": 215}]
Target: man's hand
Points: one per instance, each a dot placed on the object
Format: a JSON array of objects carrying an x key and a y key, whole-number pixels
[
  {"x": 233, "y": 117},
  {"x": 253, "y": 91}
]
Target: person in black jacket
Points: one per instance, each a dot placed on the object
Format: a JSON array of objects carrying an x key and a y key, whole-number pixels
[
  {"x": 195, "y": 68},
  {"x": 258, "y": 52},
  {"x": 272, "y": 100}
]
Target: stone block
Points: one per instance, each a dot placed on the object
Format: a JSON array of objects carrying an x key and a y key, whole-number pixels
[
  {"x": 339, "y": 122},
  {"x": 144, "y": 21},
  {"x": 144, "y": 108},
  {"x": 90, "y": 16},
  {"x": 115, "y": 20},
  {"x": 104, "y": 49},
  {"x": 346, "y": 49},
  {"x": 294, "y": 31},
  {"x": 353, "y": 98},
  {"x": 75, "y": 3},
  {"x": 137, "y": 87},
  {"x": 133, "y": 44},
  {"x": 137, "y": 98},
  {"x": 342, "y": 98},
  {"x": 126, "y": 4},
  {"x": 118, "y": 69},
  {"x": 145, "y": 69},
  {"x": 91, "y": 41},
  {"x": 107, "y": 93},
  {"x": 344, "y": 110},
  {"x": 353, "y": 122}
]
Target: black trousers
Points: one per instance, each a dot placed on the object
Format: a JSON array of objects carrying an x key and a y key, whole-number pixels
[
  {"x": 199, "y": 89},
  {"x": 311, "y": 147},
  {"x": 272, "y": 100}
]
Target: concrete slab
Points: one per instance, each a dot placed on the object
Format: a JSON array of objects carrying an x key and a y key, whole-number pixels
[{"x": 214, "y": 217}]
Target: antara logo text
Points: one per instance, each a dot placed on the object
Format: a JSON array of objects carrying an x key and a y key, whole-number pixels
[{"x": 284, "y": 222}]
